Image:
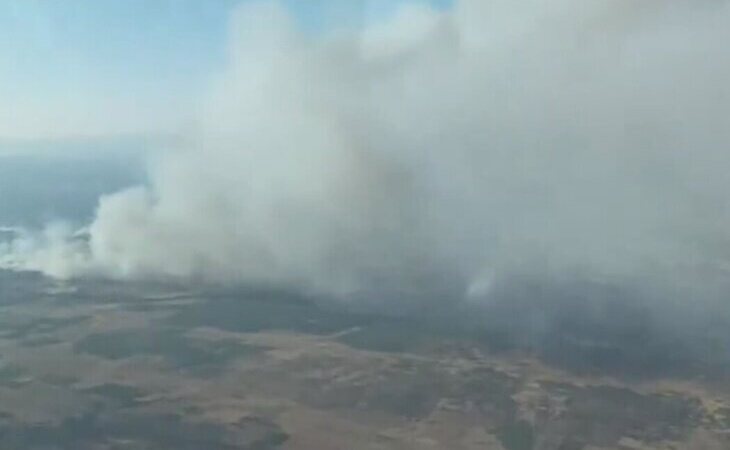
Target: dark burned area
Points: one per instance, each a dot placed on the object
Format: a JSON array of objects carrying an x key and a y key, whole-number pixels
[
  {"x": 139, "y": 431},
  {"x": 582, "y": 327}
]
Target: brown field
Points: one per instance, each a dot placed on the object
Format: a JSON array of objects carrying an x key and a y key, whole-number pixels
[{"x": 102, "y": 368}]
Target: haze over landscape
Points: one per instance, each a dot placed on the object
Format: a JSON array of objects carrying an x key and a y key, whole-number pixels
[{"x": 506, "y": 193}]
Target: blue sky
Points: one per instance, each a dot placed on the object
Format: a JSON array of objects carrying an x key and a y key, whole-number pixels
[{"x": 75, "y": 67}]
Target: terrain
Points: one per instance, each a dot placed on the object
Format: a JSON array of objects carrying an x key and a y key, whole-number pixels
[{"x": 104, "y": 365}]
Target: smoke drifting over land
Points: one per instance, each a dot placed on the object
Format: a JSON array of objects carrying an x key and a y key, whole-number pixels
[{"x": 441, "y": 155}]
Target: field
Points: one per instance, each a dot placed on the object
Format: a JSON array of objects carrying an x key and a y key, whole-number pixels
[{"x": 114, "y": 366}]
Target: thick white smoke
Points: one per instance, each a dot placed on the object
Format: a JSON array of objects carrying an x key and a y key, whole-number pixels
[{"x": 437, "y": 152}]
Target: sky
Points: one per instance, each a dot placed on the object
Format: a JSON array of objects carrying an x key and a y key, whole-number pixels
[{"x": 95, "y": 68}]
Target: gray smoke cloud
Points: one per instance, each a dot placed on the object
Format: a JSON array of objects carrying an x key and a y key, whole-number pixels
[{"x": 439, "y": 155}]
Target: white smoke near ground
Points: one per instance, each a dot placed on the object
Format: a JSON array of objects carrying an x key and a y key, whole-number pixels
[{"x": 435, "y": 153}]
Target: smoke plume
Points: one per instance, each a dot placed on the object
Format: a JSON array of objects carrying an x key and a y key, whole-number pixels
[{"x": 440, "y": 154}]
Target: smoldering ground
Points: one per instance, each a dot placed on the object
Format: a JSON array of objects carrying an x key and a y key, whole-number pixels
[{"x": 560, "y": 164}]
